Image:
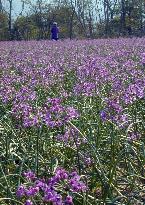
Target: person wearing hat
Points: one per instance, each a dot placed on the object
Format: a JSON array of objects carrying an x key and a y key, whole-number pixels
[{"x": 54, "y": 32}]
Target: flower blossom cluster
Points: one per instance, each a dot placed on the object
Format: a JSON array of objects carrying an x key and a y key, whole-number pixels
[
  {"x": 51, "y": 114},
  {"x": 58, "y": 190},
  {"x": 110, "y": 71}
]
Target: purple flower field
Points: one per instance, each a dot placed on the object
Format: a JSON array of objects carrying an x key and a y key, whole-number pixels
[{"x": 72, "y": 122}]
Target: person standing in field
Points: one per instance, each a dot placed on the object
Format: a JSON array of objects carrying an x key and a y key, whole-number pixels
[{"x": 54, "y": 32}]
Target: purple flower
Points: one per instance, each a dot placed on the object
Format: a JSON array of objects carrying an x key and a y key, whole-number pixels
[
  {"x": 132, "y": 136},
  {"x": 29, "y": 175},
  {"x": 21, "y": 191},
  {"x": 54, "y": 101},
  {"x": 32, "y": 191},
  {"x": 48, "y": 189},
  {"x": 75, "y": 183},
  {"x": 60, "y": 175},
  {"x": 71, "y": 138},
  {"x": 52, "y": 196},
  {"x": 49, "y": 195},
  {"x": 57, "y": 199},
  {"x": 103, "y": 115},
  {"x": 143, "y": 58},
  {"x": 68, "y": 200},
  {"x": 41, "y": 184},
  {"x": 72, "y": 113},
  {"x": 28, "y": 202}
]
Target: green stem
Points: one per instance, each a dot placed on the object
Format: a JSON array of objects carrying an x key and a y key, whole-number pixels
[
  {"x": 6, "y": 160},
  {"x": 37, "y": 151}
]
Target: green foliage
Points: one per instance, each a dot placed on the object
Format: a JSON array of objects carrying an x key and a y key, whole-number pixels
[{"x": 3, "y": 26}]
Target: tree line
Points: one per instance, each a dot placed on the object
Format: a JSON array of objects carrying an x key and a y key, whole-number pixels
[{"x": 76, "y": 19}]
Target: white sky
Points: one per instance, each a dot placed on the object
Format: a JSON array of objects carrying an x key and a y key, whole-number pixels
[{"x": 17, "y": 6}]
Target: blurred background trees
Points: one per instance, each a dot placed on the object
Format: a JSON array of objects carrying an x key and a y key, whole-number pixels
[{"x": 76, "y": 19}]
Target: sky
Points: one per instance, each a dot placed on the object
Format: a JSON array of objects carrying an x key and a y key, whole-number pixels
[{"x": 17, "y": 7}]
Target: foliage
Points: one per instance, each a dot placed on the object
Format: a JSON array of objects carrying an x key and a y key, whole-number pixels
[
  {"x": 3, "y": 26},
  {"x": 76, "y": 19}
]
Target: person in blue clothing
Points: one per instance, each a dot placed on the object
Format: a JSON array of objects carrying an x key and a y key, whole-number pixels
[{"x": 54, "y": 32}]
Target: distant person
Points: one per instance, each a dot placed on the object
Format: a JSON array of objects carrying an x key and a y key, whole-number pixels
[{"x": 54, "y": 32}]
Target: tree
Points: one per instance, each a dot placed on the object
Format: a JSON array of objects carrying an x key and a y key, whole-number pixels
[
  {"x": 76, "y": 18},
  {"x": 3, "y": 26},
  {"x": 1, "y": 6},
  {"x": 131, "y": 19},
  {"x": 10, "y": 18}
]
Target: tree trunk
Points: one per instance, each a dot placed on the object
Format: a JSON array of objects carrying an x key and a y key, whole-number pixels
[
  {"x": 71, "y": 25},
  {"x": 10, "y": 19},
  {"x": 1, "y": 6},
  {"x": 123, "y": 17},
  {"x": 90, "y": 25},
  {"x": 106, "y": 13}
]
